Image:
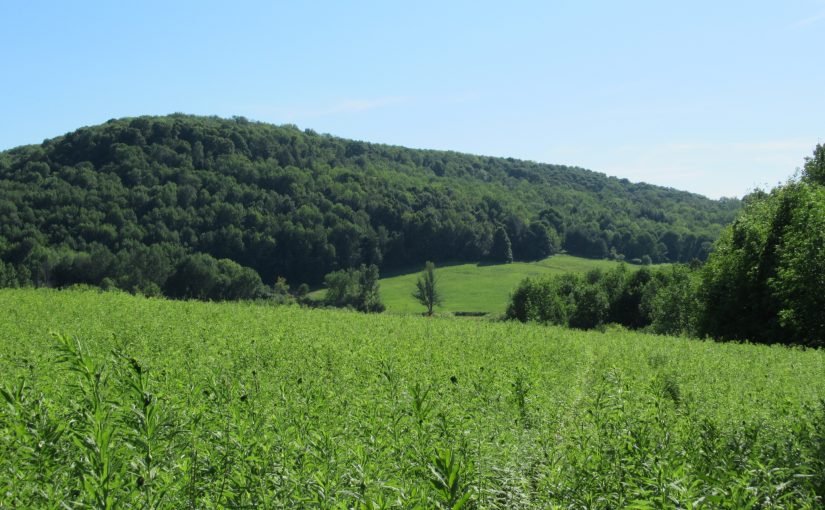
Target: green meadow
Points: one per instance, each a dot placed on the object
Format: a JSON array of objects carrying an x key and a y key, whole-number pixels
[
  {"x": 477, "y": 287},
  {"x": 116, "y": 401}
]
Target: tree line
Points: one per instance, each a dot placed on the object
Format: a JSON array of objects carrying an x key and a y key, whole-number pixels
[
  {"x": 210, "y": 208},
  {"x": 764, "y": 281}
]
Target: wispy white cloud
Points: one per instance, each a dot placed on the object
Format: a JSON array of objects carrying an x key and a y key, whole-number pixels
[
  {"x": 280, "y": 112},
  {"x": 362, "y": 105},
  {"x": 349, "y": 106},
  {"x": 804, "y": 22},
  {"x": 465, "y": 97},
  {"x": 772, "y": 145},
  {"x": 712, "y": 168}
]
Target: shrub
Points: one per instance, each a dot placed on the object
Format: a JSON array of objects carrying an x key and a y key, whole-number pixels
[{"x": 354, "y": 288}]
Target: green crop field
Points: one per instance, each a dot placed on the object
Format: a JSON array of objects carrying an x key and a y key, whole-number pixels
[
  {"x": 477, "y": 287},
  {"x": 116, "y": 401}
]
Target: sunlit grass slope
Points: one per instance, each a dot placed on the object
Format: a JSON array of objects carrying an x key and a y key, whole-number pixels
[
  {"x": 479, "y": 287},
  {"x": 163, "y": 404}
]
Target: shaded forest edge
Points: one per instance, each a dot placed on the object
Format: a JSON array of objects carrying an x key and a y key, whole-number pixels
[
  {"x": 213, "y": 208},
  {"x": 763, "y": 281}
]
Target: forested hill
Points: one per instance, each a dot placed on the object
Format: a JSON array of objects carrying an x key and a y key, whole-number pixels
[{"x": 140, "y": 203}]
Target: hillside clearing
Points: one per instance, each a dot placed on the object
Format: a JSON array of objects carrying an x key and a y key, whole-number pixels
[{"x": 483, "y": 288}]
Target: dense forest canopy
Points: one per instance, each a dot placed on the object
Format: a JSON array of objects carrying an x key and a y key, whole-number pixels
[{"x": 139, "y": 203}]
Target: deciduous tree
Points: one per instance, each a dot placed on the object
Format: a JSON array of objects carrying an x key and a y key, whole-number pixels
[{"x": 426, "y": 289}]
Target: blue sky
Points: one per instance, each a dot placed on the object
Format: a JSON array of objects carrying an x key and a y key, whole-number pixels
[{"x": 712, "y": 97}]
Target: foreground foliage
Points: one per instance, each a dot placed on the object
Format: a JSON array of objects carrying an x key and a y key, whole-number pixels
[{"x": 145, "y": 403}]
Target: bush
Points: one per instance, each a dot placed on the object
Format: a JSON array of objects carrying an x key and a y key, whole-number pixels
[
  {"x": 673, "y": 307},
  {"x": 591, "y": 306},
  {"x": 538, "y": 300},
  {"x": 633, "y": 299},
  {"x": 354, "y": 288}
]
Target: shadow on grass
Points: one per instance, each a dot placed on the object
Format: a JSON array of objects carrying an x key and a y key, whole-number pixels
[{"x": 419, "y": 268}]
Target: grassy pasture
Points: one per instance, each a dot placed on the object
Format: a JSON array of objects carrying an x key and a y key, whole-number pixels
[
  {"x": 147, "y": 403},
  {"x": 477, "y": 287}
]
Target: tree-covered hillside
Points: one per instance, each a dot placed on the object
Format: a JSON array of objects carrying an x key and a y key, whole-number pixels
[{"x": 154, "y": 203}]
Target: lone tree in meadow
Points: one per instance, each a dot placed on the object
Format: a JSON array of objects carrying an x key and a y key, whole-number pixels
[{"x": 426, "y": 291}]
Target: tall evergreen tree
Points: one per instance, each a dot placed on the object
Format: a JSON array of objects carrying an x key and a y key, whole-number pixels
[
  {"x": 538, "y": 241},
  {"x": 502, "y": 249}
]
